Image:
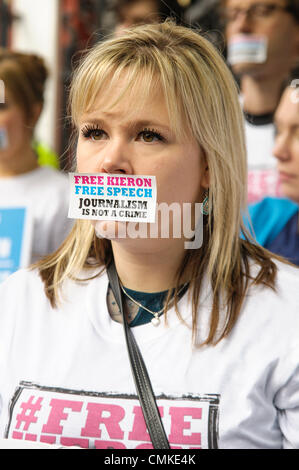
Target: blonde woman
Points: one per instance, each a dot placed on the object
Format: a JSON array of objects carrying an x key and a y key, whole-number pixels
[{"x": 223, "y": 362}]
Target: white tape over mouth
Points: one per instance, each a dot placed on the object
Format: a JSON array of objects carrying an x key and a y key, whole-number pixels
[
  {"x": 112, "y": 201},
  {"x": 247, "y": 48}
]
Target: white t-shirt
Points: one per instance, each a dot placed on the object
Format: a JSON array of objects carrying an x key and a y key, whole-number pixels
[
  {"x": 263, "y": 178},
  {"x": 44, "y": 194},
  {"x": 65, "y": 376},
  {"x": 260, "y": 143}
]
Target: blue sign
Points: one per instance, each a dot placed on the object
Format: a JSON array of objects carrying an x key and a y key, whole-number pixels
[{"x": 15, "y": 246}]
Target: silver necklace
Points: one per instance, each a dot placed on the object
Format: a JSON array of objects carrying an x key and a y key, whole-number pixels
[{"x": 156, "y": 320}]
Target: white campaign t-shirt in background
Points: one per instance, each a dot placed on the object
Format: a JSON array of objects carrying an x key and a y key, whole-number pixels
[
  {"x": 263, "y": 177},
  {"x": 44, "y": 194},
  {"x": 65, "y": 376}
]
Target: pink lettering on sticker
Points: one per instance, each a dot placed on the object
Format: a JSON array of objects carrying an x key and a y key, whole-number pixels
[
  {"x": 147, "y": 182},
  {"x": 58, "y": 414},
  {"x": 130, "y": 182},
  {"x": 85, "y": 179},
  {"x": 111, "y": 180},
  {"x": 179, "y": 424},
  {"x": 96, "y": 417},
  {"x": 122, "y": 181}
]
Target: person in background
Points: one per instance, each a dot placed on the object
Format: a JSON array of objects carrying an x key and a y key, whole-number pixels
[
  {"x": 133, "y": 12},
  {"x": 158, "y": 100},
  {"x": 275, "y": 220},
  {"x": 40, "y": 191},
  {"x": 44, "y": 154},
  {"x": 262, "y": 49}
]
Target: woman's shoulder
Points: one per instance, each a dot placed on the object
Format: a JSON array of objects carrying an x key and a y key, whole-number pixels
[
  {"x": 20, "y": 281},
  {"x": 50, "y": 174},
  {"x": 287, "y": 277},
  {"x": 269, "y": 320},
  {"x": 22, "y": 296},
  {"x": 29, "y": 279},
  {"x": 284, "y": 296},
  {"x": 53, "y": 187}
]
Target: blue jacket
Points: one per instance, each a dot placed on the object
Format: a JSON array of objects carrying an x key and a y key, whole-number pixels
[{"x": 274, "y": 222}]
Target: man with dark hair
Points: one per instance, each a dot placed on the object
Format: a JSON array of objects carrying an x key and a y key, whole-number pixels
[{"x": 262, "y": 49}]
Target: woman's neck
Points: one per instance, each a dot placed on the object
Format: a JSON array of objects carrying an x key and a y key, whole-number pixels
[
  {"x": 147, "y": 272},
  {"x": 20, "y": 162}
]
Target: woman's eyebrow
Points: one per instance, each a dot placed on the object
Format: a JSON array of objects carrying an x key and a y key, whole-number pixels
[
  {"x": 131, "y": 124},
  {"x": 149, "y": 123},
  {"x": 89, "y": 120}
]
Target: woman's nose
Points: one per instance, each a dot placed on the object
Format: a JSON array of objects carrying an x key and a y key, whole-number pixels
[
  {"x": 242, "y": 24},
  {"x": 117, "y": 158},
  {"x": 281, "y": 148}
]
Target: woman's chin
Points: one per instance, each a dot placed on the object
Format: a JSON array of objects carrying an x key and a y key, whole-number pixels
[
  {"x": 126, "y": 232},
  {"x": 110, "y": 229}
]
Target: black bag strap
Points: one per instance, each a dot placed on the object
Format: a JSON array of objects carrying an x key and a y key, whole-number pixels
[{"x": 141, "y": 378}]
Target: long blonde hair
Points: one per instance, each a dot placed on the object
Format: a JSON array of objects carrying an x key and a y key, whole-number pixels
[
  {"x": 25, "y": 76},
  {"x": 202, "y": 99}
]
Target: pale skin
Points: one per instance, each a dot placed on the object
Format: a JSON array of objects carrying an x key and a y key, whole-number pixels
[
  {"x": 261, "y": 83},
  {"x": 286, "y": 148},
  {"x": 18, "y": 157},
  {"x": 143, "y": 142}
]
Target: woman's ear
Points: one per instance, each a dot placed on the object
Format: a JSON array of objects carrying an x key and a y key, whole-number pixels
[{"x": 205, "y": 177}]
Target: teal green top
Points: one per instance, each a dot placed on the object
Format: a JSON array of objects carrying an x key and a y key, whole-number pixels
[{"x": 154, "y": 301}]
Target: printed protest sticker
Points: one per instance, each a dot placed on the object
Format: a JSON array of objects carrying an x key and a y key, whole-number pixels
[{"x": 102, "y": 196}]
